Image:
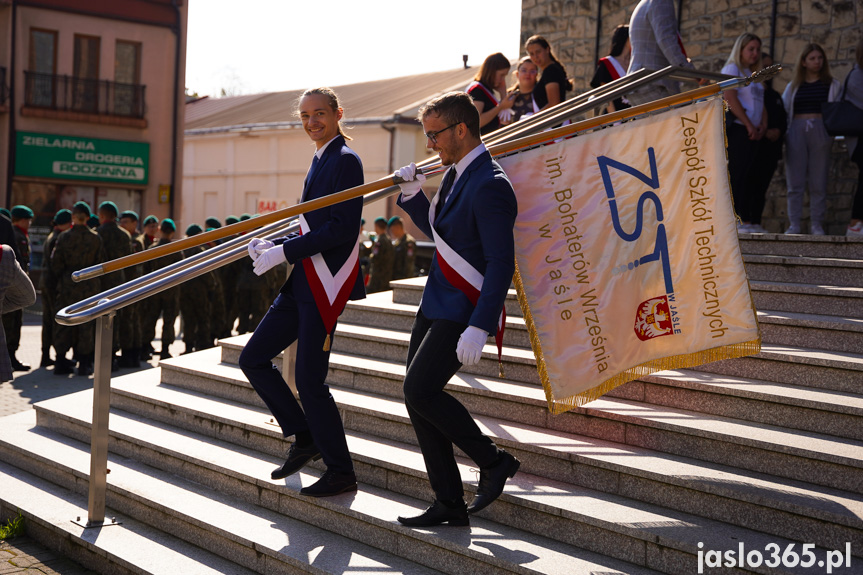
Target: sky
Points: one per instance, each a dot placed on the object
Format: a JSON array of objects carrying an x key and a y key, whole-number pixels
[{"x": 258, "y": 46}]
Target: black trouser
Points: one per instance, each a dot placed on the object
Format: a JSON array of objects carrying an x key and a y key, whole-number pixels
[
  {"x": 740, "y": 153},
  {"x": 857, "y": 157},
  {"x": 761, "y": 172},
  {"x": 287, "y": 321},
  {"x": 439, "y": 419}
]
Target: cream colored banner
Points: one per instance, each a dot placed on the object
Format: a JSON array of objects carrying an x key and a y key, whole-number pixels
[{"x": 627, "y": 254}]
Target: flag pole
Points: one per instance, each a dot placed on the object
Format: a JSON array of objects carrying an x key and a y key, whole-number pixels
[{"x": 430, "y": 166}]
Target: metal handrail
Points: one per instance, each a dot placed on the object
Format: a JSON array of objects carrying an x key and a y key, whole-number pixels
[{"x": 103, "y": 307}]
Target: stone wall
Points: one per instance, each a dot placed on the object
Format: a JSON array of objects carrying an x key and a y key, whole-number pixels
[{"x": 708, "y": 29}]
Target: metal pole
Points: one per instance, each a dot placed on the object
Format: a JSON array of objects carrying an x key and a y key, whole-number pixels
[{"x": 99, "y": 429}]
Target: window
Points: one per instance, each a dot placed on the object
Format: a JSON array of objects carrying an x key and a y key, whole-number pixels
[
  {"x": 43, "y": 62},
  {"x": 127, "y": 77},
  {"x": 85, "y": 87}
]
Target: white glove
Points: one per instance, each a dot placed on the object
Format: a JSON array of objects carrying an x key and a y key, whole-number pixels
[
  {"x": 413, "y": 181},
  {"x": 470, "y": 344},
  {"x": 257, "y": 246},
  {"x": 269, "y": 259}
]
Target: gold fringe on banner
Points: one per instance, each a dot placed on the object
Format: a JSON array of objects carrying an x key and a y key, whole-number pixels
[{"x": 557, "y": 406}]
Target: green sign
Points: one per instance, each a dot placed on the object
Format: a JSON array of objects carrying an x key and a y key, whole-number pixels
[{"x": 71, "y": 158}]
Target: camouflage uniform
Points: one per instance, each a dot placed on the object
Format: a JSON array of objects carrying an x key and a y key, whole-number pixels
[
  {"x": 117, "y": 243},
  {"x": 48, "y": 286},
  {"x": 253, "y": 297},
  {"x": 13, "y": 321},
  {"x": 131, "y": 338},
  {"x": 166, "y": 303},
  {"x": 381, "y": 267},
  {"x": 196, "y": 307},
  {"x": 229, "y": 275},
  {"x": 405, "y": 253},
  {"x": 76, "y": 249}
]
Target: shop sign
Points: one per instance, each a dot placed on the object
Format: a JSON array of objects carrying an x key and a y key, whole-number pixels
[{"x": 90, "y": 159}]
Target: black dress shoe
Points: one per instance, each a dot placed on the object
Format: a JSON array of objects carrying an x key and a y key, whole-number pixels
[
  {"x": 64, "y": 366},
  {"x": 298, "y": 457},
  {"x": 85, "y": 368},
  {"x": 46, "y": 360},
  {"x": 438, "y": 514},
  {"x": 17, "y": 365},
  {"x": 492, "y": 480},
  {"x": 331, "y": 483}
]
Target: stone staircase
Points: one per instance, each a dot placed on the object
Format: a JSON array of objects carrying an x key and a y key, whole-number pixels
[{"x": 753, "y": 451}]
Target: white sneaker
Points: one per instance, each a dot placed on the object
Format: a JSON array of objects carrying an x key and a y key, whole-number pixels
[
  {"x": 793, "y": 229},
  {"x": 816, "y": 230},
  {"x": 855, "y": 231}
]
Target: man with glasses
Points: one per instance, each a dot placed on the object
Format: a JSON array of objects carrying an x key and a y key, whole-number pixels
[{"x": 471, "y": 219}]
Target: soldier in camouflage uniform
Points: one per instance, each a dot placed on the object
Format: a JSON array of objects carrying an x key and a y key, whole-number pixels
[
  {"x": 131, "y": 341},
  {"x": 196, "y": 298},
  {"x": 230, "y": 275},
  {"x": 404, "y": 247},
  {"x": 22, "y": 216},
  {"x": 381, "y": 268},
  {"x": 117, "y": 244},
  {"x": 150, "y": 229},
  {"x": 166, "y": 303},
  {"x": 48, "y": 286},
  {"x": 76, "y": 248},
  {"x": 220, "y": 323},
  {"x": 253, "y": 296}
]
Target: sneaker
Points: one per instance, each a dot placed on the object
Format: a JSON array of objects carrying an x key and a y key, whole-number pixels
[
  {"x": 855, "y": 231},
  {"x": 744, "y": 228},
  {"x": 793, "y": 229},
  {"x": 816, "y": 229},
  {"x": 757, "y": 229}
]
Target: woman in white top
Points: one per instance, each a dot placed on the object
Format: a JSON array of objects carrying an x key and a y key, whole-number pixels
[
  {"x": 748, "y": 125},
  {"x": 807, "y": 145}
]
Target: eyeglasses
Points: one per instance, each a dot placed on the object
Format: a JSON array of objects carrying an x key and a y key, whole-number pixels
[{"x": 433, "y": 135}]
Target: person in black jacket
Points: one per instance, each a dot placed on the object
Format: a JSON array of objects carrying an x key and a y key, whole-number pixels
[{"x": 768, "y": 149}]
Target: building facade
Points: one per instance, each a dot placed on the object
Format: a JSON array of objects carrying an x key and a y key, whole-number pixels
[{"x": 93, "y": 106}]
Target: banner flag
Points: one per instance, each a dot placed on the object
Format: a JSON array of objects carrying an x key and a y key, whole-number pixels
[{"x": 627, "y": 260}]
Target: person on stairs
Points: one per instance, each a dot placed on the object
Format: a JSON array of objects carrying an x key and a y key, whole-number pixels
[{"x": 471, "y": 219}]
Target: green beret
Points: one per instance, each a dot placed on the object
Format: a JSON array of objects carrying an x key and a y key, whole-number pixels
[
  {"x": 129, "y": 214},
  {"x": 109, "y": 206},
  {"x": 380, "y": 221},
  {"x": 212, "y": 222},
  {"x": 21, "y": 212},
  {"x": 394, "y": 220},
  {"x": 245, "y": 217},
  {"x": 168, "y": 225},
  {"x": 362, "y": 221},
  {"x": 62, "y": 217},
  {"x": 231, "y": 220},
  {"x": 150, "y": 220},
  {"x": 193, "y": 230},
  {"x": 82, "y": 208},
  {"x": 5, "y": 213},
  {"x": 93, "y": 222}
]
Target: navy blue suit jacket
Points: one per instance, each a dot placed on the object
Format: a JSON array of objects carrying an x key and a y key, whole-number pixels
[
  {"x": 334, "y": 230},
  {"x": 477, "y": 222}
]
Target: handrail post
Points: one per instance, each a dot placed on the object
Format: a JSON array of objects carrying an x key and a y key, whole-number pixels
[{"x": 99, "y": 428}]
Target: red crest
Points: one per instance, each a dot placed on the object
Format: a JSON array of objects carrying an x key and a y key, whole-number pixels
[{"x": 653, "y": 319}]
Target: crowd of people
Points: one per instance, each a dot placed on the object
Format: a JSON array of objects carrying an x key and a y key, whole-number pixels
[
  {"x": 759, "y": 119},
  {"x": 387, "y": 254}
]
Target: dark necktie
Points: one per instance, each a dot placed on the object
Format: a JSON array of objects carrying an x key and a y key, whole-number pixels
[
  {"x": 445, "y": 188},
  {"x": 310, "y": 175}
]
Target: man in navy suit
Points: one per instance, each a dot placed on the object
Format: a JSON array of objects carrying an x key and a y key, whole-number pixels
[
  {"x": 471, "y": 219},
  {"x": 326, "y": 274}
]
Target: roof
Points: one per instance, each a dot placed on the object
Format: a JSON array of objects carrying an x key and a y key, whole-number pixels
[{"x": 378, "y": 100}]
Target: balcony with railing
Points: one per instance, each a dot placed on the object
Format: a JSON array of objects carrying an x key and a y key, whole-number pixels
[{"x": 83, "y": 99}]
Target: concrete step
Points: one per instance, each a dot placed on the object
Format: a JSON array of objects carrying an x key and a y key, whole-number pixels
[
  {"x": 747, "y": 499},
  {"x": 802, "y": 246},
  {"x": 366, "y": 518},
  {"x": 843, "y": 334},
  {"x": 128, "y": 548},
  {"x": 794, "y": 297},
  {"x": 410, "y": 292},
  {"x": 793, "y": 454},
  {"x": 800, "y": 366},
  {"x": 379, "y": 310},
  {"x": 809, "y": 270}
]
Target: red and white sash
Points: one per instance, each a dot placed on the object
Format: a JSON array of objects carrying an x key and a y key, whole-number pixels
[
  {"x": 330, "y": 291},
  {"x": 463, "y": 276},
  {"x": 613, "y": 66},
  {"x": 488, "y": 93}
]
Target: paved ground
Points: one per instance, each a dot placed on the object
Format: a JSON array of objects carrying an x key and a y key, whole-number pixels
[{"x": 22, "y": 554}]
